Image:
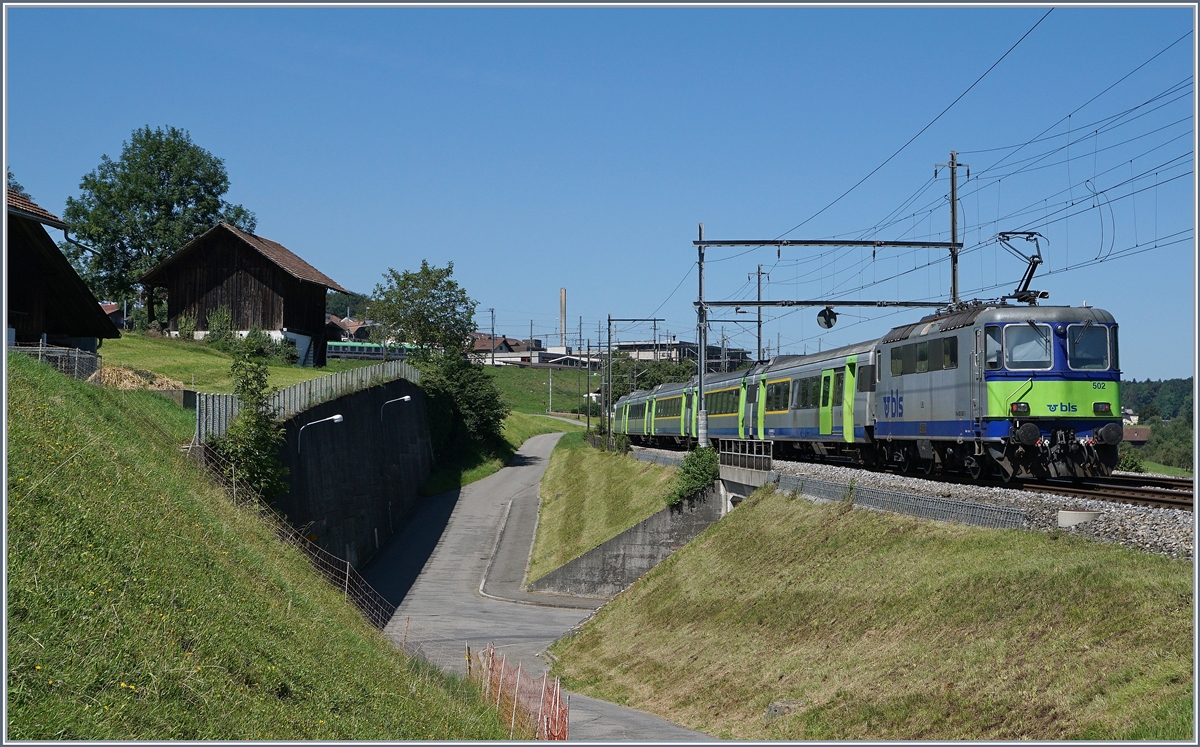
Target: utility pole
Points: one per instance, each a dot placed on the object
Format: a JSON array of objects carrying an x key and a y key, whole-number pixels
[
  {"x": 579, "y": 373},
  {"x": 759, "y": 273},
  {"x": 655, "y": 346},
  {"x": 724, "y": 352},
  {"x": 702, "y": 328},
  {"x": 493, "y": 313},
  {"x": 609, "y": 403},
  {"x": 953, "y": 166}
]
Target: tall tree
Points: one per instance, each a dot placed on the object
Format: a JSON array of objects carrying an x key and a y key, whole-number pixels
[
  {"x": 15, "y": 185},
  {"x": 426, "y": 308},
  {"x": 135, "y": 211}
]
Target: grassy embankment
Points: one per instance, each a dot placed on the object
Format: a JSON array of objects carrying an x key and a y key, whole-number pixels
[
  {"x": 184, "y": 359},
  {"x": 589, "y": 496},
  {"x": 527, "y": 389},
  {"x": 1162, "y": 469},
  {"x": 143, "y": 605},
  {"x": 880, "y": 626}
]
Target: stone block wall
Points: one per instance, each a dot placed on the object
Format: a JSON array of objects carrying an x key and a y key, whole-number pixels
[{"x": 351, "y": 483}]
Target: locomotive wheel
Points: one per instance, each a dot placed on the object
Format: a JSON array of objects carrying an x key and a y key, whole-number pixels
[
  {"x": 927, "y": 466},
  {"x": 974, "y": 468},
  {"x": 905, "y": 461}
]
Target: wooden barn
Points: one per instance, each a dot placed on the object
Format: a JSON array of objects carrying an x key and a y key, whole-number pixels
[
  {"x": 260, "y": 281},
  {"x": 47, "y": 300}
]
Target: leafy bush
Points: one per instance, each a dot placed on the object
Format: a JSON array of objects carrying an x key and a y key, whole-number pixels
[
  {"x": 463, "y": 404},
  {"x": 1130, "y": 460},
  {"x": 1170, "y": 443},
  {"x": 186, "y": 325},
  {"x": 251, "y": 445},
  {"x": 139, "y": 319},
  {"x": 220, "y": 329},
  {"x": 698, "y": 470}
]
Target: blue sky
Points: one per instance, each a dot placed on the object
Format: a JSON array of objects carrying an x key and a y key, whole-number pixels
[{"x": 540, "y": 148}]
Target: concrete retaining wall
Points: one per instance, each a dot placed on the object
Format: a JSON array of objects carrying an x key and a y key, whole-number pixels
[
  {"x": 613, "y": 566},
  {"x": 352, "y": 482}
]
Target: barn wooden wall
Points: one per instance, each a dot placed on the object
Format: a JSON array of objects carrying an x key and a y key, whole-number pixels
[{"x": 223, "y": 271}]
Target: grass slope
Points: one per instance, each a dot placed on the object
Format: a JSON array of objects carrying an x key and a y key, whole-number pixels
[
  {"x": 1162, "y": 469},
  {"x": 183, "y": 359},
  {"x": 889, "y": 627},
  {"x": 526, "y": 389},
  {"x": 589, "y": 496},
  {"x": 143, "y": 605}
]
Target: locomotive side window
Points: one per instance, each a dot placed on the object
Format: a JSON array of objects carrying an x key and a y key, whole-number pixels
[
  {"x": 908, "y": 355},
  {"x": 993, "y": 349},
  {"x": 1087, "y": 347},
  {"x": 1027, "y": 346},
  {"x": 897, "y": 361},
  {"x": 922, "y": 357},
  {"x": 950, "y": 352},
  {"x": 866, "y": 378}
]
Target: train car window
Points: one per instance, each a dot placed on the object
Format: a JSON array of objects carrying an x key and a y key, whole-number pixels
[
  {"x": 897, "y": 361},
  {"x": 779, "y": 394},
  {"x": 994, "y": 348},
  {"x": 839, "y": 384},
  {"x": 824, "y": 392},
  {"x": 922, "y": 354},
  {"x": 1116, "y": 360},
  {"x": 668, "y": 408},
  {"x": 814, "y": 392},
  {"x": 1028, "y": 347},
  {"x": 866, "y": 378},
  {"x": 949, "y": 352},
  {"x": 638, "y": 411},
  {"x": 1087, "y": 347},
  {"x": 908, "y": 356},
  {"x": 935, "y": 355}
]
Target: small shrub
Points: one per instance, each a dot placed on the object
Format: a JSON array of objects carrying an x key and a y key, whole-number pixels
[
  {"x": 220, "y": 329},
  {"x": 1130, "y": 461},
  {"x": 251, "y": 445},
  {"x": 186, "y": 324},
  {"x": 139, "y": 319},
  {"x": 698, "y": 470}
]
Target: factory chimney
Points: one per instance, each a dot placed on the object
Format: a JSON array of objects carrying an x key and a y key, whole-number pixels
[{"x": 562, "y": 316}]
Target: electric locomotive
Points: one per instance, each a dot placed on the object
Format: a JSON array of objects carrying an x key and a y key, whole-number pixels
[{"x": 980, "y": 388}]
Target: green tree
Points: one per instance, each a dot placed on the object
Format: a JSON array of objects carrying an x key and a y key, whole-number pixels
[
  {"x": 464, "y": 406},
  {"x": 15, "y": 185},
  {"x": 337, "y": 302},
  {"x": 1147, "y": 412},
  {"x": 630, "y": 375},
  {"x": 251, "y": 445},
  {"x": 426, "y": 308},
  {"x": 135, "y": 211}
]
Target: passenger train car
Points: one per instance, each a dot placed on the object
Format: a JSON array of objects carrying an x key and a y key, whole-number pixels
[{"x": 1010, "y": 390}]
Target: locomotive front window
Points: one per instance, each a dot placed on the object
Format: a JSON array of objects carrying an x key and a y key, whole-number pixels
[
  {"x": 993, "y": 349},
  {"x": 1027, "y": 347},
  {"x": 1087, "y": 347}
]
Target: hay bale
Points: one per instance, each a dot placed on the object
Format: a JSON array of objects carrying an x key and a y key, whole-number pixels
[{"x": 118, "y": 377}]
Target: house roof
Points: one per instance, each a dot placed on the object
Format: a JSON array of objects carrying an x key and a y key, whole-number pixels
[
  {"x": 109, "y": 308},
  {"x": 21, "y": 205},
  {"x": 1137, "y": 434},
  {"x": 272, "y": 250}
]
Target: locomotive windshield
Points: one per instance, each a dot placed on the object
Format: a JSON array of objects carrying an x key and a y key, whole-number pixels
[
  {"x": 1027, "y": 346},
  {"x": 1087, "y": 347}
]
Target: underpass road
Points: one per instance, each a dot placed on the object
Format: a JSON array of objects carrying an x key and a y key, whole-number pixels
[{"x": 437, "y": 564}]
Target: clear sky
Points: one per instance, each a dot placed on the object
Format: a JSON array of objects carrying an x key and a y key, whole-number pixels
[{"x": 541, "y": 148}]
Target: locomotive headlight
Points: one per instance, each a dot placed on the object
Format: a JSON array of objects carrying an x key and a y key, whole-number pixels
[
  {"x": 1020, "y": 408},
  {"x": 1102, "y": 408}
]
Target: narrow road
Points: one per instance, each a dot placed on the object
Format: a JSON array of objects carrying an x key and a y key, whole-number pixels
[{"x": 458, "y": 564}]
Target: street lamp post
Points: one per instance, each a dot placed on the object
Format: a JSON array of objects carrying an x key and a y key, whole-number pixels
[
  {"x": 331, "y": 418},
  {"x": 405, "y": 398}
]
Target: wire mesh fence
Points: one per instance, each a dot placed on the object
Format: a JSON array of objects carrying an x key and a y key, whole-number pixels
[
  {"x": 216, "y": 412},
  {"x": 76, "y": 363}
]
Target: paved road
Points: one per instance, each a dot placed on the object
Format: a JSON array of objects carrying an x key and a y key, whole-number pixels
[{"x": 458, "y": 564}]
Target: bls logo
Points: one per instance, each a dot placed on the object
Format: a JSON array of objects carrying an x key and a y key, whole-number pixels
[
  {"x": 1062, "y": 407},
  {"x": 893, "y": 405}
]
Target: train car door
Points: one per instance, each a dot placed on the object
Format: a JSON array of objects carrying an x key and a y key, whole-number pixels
[
  {"x": 848, "y": 398},
  {"x": 749, "y": 402},
  {"x": 977, "y": 389},
  {"x": 826, "y": 404}
]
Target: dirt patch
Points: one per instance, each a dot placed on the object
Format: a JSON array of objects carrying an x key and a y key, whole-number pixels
[{"x": 117, "y": 377}]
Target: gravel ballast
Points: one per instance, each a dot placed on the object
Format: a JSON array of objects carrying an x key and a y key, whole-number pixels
[{"x": 1164, "y": 531}]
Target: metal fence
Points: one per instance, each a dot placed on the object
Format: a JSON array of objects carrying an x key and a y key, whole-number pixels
[
  {"x": 73, "y": 362},
  {"x": 745, "y": 453},
  {"x": 216, "y": 412},
  {"x": 922, "y": 506}
]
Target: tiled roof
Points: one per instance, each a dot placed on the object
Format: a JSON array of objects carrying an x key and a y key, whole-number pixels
[
  {"x": 272, "y": 250},
  {"x": 110, "y": 307},
  {"x": 21, "y": 203}
]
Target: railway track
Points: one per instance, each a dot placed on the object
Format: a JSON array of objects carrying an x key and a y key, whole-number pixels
[
  {"x": 1158, "y": 492},
  {"x": 1154, "y": 491}
]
